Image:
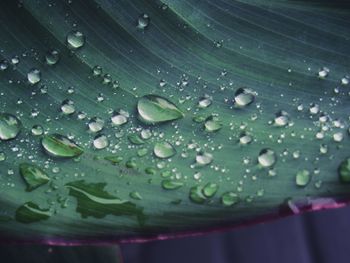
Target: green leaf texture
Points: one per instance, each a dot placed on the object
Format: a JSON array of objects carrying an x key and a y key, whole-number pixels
[{"x": 139, "y": 119}]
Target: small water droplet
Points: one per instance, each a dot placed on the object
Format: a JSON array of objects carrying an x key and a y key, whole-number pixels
[
  {"x": 34, "y": 76},
  {"x": 96, "y": 124},
  {"x": 244, "y": 97},
  {"x": 52, "y": 57},
  {"x": 67, "y": 107},
  {"x": 302, "y": 178},
  {"x": 143, "y": 21},
  {"x": 75, "y": 39},
  {"x": 229, "y": 199}
]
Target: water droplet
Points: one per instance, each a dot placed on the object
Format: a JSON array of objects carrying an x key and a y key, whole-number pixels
[
  {"x": 143, "y": 21},
  {"x": 135, "y": 139},
  {"x": 37, "y": 130},
  {"x": 267, "y": 158},
  {"x": 210, "y": 189},
  {"x": 245, "y": 138},
  {"x": 229, "y": 199},
  {"x": 100, "y": 141},
  {"x": 345, "y": 80},
  {"x": 281, "y": 119},
  {"x": 67, "y": 107},
  {"x": 75, "y": 39},
  {"x": 344, "y": 171},
  {"x": 196, "y": 195},
  {"x": 58, "y": 145},
  {"x": 2, "y": 156},
  {"x": 338, "y": 136},
  {"x": 204, "y": 158},
  {"x": 323, "y": 73},
  {"x": 135, "y": 195},
  {"x": 31, "y": 212},
  {"x": 10, "y": 126},
  {"x": 302, "y": 178},
  {"x": 244, "y": 97},
  {"x": 155, "y": 109},
  {"x": 114, "y": 159},
  {"x": 212, "y": 124},
  {"x": 52, "y": 57},
  {"x": 119, "y": 119},
  {"x": 205, "y": 102},
  {"x": 96, "y": 124},
  {"x": 34, "y": 76},
  {"x": 4, "y": 64},
  {"x": 314, "y": 109},
  {"x": 164, "y": 150},
  {"x": 146, "y": 134},
  {"x": 97, "y": 71},
  {"x": 33, "y": 175},
  {"x": 171, "y": 185}
]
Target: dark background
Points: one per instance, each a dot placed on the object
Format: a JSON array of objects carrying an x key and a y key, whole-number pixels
[{"x": 317, "y": 237}]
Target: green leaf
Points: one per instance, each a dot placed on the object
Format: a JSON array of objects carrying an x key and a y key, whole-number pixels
[{"x": 155, "y": 119}]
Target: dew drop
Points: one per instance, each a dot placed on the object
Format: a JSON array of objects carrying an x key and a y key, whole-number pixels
[
  {"x": 267, "y": 158},
  {"x": 244, "y": 97},
  {"x": 75, "y": 39},
  {"x": 10, "y": 126},
  {"x": 164, "y": 150},
  {"x": 100, "y": 141},
  {"x": 58, "y": 145},
  {"x": 34, "y": 76},
  {"x": 229, "y": 199},
  {"x": 302, "y": 178},
  {"x": 67, "y": 107},
  {"x": 96, "y": 124},
  {"x": 52, "y": 57},
  {"x": 143, "y": 21}
]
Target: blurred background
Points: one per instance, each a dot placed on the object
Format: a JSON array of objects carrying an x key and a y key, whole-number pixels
[{"x": 318, "y": 237}]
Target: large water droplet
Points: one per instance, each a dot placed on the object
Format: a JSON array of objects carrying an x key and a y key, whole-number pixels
[
  {"x": 34, "y": 76},
  {"x": 10, "y": 126},
  {"x": 33, "y": 175},
  {"x": 164, "y": 150},
  {"x": 58, "y": 145},
  {"x": 267, "y": 158},
  {"x": 244, "y": 97},
  {"x": 155, "y": 109}
]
